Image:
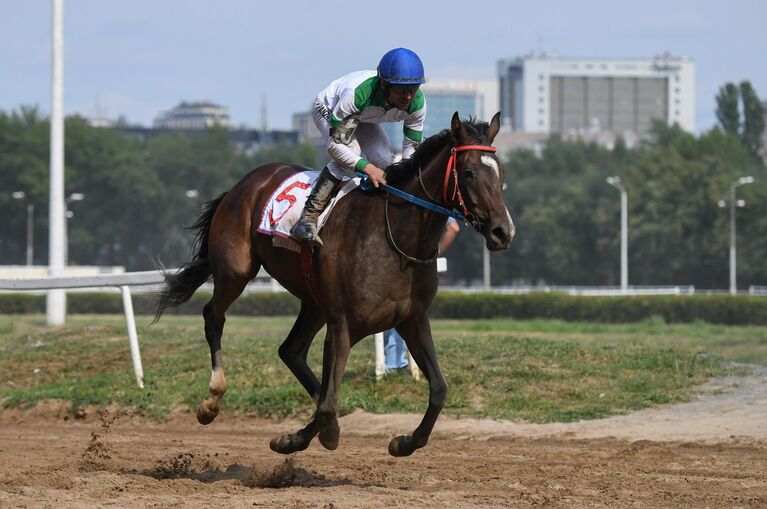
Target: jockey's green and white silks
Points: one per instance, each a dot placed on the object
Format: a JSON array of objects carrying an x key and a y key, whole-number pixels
[{"x": 357, "y": 99}]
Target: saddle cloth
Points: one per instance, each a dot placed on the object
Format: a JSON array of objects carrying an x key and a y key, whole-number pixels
[{"x": 284, "y": 206}]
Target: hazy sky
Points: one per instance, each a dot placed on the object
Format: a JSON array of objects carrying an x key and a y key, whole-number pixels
[{"x": 138, "y": 57}]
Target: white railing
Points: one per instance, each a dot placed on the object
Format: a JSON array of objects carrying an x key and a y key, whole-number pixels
[
  {"x": 148, "y": 279},
  {"x": 121, "y": 281},
  {"x": 607, "y": 291},
  {"x": 152, "y": 280}
]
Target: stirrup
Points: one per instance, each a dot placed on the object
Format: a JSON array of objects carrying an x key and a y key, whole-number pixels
[{"x": 306, "y": 231}]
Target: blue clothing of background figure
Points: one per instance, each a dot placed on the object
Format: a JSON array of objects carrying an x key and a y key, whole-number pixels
[{"x": 395, "y": 351}]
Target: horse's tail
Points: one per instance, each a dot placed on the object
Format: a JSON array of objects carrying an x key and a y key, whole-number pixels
[{"x": 181, "y": 285}]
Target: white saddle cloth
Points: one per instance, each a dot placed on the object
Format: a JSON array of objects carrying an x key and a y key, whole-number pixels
[{"x": 287, "y": 201}]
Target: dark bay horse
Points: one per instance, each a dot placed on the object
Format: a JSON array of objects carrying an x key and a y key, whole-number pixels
[{"x": 374, "y": 271}]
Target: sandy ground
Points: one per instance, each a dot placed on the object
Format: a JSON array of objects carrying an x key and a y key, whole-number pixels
[{"x": 708, "y": 453}]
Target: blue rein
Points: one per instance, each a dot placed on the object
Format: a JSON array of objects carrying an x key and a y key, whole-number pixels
[{"x": 366, "y": 185}]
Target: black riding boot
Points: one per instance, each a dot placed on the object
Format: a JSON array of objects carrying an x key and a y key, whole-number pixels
[{"x": 306, "y": 227}]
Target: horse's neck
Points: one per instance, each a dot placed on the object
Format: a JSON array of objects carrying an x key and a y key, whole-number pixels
[
  {"x": 431, "y": 177},
  {"x": 425, "y": 226}
]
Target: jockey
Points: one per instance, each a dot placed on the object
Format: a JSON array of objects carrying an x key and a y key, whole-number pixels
[{"x": 348, "y": 112}]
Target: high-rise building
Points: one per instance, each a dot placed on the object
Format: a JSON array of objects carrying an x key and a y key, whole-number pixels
[{"x": 556, "y": 95}]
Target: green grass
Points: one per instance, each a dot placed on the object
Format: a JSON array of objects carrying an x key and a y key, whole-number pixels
[{"x": 536, "y": 370}]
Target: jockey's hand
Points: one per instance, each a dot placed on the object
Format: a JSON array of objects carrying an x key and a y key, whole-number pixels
[{"x": 377, "y": 175}]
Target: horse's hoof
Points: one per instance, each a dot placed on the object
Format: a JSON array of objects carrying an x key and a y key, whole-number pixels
[
  {"x": 330, "y": 436},
  {"x": 205, "y": 416},
  {"x": 288, "y": 444},
  {"x": 401, "y": 446}
]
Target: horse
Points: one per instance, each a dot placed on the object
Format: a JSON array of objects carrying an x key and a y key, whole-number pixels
[{"x": 375, "y": 270}]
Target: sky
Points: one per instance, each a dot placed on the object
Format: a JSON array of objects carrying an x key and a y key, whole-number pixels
[{"x": 137, "y": 58}]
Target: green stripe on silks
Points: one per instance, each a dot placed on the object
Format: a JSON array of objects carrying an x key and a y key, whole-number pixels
[
  {"x": 413, "y": 135},
  {"x": 417, "y": 103},
  {"x": 368, "y": 92}
]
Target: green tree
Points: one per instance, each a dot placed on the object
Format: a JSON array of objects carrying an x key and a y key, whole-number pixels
[
  {"x": 24, "y": 150},
  {"x": 753, "y": 119},
  {"x": 727, "y": 108}
]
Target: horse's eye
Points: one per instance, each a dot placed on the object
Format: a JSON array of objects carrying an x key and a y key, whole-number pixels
[{"x": 468, "y": 173}]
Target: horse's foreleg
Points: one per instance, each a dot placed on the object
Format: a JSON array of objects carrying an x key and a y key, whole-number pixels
[
  {"x": 224, "y": 293},
  {"x": 325, "y": 422},
  {"x": 417, "y": 335}
]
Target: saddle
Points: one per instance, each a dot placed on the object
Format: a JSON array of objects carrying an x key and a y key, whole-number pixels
[{"x": 284, "y": 207}]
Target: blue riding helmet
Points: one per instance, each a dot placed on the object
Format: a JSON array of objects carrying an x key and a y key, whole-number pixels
[{"x": 401, "y": 66}]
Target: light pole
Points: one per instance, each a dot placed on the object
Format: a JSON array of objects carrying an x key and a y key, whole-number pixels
[
  {"x": 617, "y": 183},
  {"x": 21, "y": 195},
  {"x": 68, "y": 214},
  {"x": 734, "y": 203}
]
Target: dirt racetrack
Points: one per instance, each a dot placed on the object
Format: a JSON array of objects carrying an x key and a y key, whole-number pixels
[{"x": 709, "y": 453}]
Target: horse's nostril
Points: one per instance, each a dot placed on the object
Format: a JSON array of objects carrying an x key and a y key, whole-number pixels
[{"x": 500, "y": 233}]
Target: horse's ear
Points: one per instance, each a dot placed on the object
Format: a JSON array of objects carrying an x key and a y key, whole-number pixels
[
  {"x": 457, "y": 127},
  {"x": 493, "y": 128}
]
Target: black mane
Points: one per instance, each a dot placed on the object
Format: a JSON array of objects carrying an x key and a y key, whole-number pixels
[{"x": 402, "y": 171}]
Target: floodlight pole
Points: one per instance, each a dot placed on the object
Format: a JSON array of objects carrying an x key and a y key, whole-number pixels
[
  {"x": 618, "y": 184},
  {"x": 56, "y": 300},
  {"x": 733, "y": 257}
]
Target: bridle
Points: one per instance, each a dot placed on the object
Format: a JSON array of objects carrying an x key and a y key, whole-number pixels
[{"x": 451, "y": 175}]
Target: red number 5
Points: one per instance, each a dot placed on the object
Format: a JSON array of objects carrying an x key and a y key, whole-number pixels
[{"x": 284, "y": 195}]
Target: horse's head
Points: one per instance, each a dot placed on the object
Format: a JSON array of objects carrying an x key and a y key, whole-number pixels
[{"x": 480, "y": 176}]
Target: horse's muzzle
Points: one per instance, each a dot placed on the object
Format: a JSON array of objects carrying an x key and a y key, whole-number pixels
[{"x": 500, "y": 237}]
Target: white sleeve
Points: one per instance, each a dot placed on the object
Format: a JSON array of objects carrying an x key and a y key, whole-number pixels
[{"x": 341, "y": 152}]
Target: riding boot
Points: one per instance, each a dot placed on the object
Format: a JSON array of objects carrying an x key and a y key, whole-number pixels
[{"x": 306, "y": 227}]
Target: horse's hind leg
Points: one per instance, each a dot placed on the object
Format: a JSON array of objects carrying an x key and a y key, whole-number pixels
[
  {"x": 417, "y": 335},
  {"x": 295, "y": 348},
  {"x": 226, "y": 288}
]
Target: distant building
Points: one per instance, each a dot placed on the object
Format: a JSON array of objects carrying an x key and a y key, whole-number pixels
[
  {"x": 193, "y": 119},
  {"x": 245, "y": 140},
  {"x": 194, "y": 115},
  {"x": 303, "y": 124},
  {"x": 567, "y": 96}
]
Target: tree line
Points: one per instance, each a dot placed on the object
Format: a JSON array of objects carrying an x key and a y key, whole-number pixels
[{"x": 140, "y": 195}]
